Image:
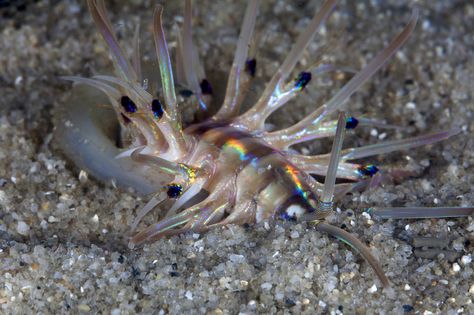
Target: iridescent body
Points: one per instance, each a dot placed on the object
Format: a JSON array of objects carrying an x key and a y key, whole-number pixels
[{"x": 229, "y": 169}]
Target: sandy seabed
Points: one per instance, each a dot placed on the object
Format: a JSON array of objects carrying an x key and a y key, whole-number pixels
[{"x": 63, "y": 240}]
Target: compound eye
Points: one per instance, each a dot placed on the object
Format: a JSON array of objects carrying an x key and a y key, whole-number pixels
[{"x": 128, "y": 105}]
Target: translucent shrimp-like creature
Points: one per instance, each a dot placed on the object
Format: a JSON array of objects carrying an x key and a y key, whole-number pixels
[{"x": 228, "y": 169}]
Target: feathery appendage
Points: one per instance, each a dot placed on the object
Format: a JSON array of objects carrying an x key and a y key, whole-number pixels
[{"x": 228, "y": 170}]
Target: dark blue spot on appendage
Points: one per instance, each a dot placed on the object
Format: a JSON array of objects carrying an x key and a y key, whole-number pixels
[
  {"x": 351, "y": 123},
  {"x": 206, "y": 87},
  {"x": 251, "y": 66},
  {"x": 157, "y": 109},
  {"x": 174, "y": 190},
  {"x": 368, "y": 170},
  {"x": 128, "y": 105},
  {"x": 302, "y": 80}
]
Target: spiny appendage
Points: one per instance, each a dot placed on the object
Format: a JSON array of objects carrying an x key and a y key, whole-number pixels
[{"x": 208, "y": 186}]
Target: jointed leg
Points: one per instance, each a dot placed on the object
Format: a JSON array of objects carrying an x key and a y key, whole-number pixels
[{"x": 305, "y": 129}]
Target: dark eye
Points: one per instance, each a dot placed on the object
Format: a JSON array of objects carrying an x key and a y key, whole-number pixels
[
  {"x": 368, "y": 170},
  {"x": 351, "y": 122},
  {"x": 174, "y": 190},
  {"x": 206, "y": 87},
  {"x": 251, "y": 66},
  {"x": 157, "y": 109},
  {"x": 302, "y": 80},
  {"x": 128, "y": 105}
]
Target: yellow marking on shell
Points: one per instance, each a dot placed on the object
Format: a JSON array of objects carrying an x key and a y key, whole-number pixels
[{"x": 190, "y": 172}]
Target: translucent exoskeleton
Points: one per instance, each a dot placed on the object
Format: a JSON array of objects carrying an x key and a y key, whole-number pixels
[{"x": 227, "y": 169}]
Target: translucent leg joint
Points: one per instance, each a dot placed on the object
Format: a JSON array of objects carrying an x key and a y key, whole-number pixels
[{"x": 325, "y": 206}]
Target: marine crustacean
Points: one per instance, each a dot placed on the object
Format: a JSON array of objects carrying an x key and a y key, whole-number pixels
[{"x": 228, "y": 169}]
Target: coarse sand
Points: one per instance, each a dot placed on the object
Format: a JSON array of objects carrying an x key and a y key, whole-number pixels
[{"x": 63, "y": 237}]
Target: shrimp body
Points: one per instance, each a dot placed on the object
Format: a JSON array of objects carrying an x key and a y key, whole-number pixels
[
  {"x": 248, "y": 181},
  {"x": 228, "y": 169},
  {"x": 263, "y": 175}
]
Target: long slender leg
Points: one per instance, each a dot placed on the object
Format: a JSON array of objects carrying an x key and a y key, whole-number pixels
[
  {"x": 340, "y": 190},
  {"x": 230, "y": 106},
  {"x": 181, "y": 65},
  {"x": 248, "y": 75},
  {"x": 152, "y": 204},
  {"x": 179, "y": 60},
  {"x": 189, "y": 54},
  {"x": 201, "y": 222},
  {"x": 123, "y": 66},
  {"x": 325, "y": 204},
  {"x": 252, "y": 118},
  {"x": 160, "y": 228},
  {"x": 182, "y": 170},
  {"x": 304, "y": 130},
  {"x": 164, "y": 62},
  {"x": 243, "y": 212},
  {"x": 318, "y": 164},
  {"x": 290, "y": 91},
  {"x": 396, "y": 145},
  {"x": 421, "y": 212},
  {"x": 212, "y": 214},
  {"x": 112, "y": 93},
  {"x": 323, "y": 130},
  {"x": 197, "y": 218},
  {"x": 136, "y": 57},
  {"x": 352, "y": 241},
  {"x": 330, "y": 180}
]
